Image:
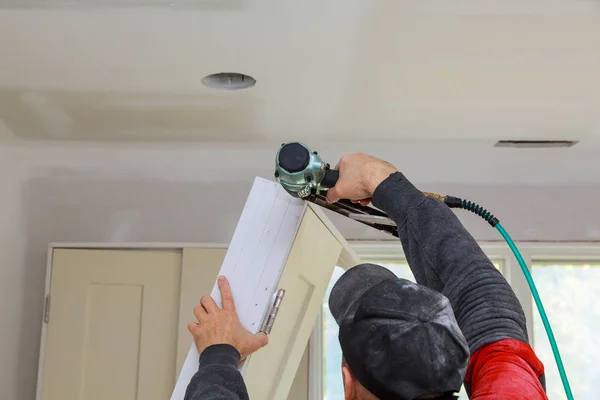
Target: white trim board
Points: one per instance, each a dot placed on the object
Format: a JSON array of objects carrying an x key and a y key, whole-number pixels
[
  {"x": 254, "y": 261},
  {"x": 316, "y": 360}
]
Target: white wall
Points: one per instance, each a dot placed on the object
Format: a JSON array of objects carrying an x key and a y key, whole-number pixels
[{"x": 91, "y": 193}]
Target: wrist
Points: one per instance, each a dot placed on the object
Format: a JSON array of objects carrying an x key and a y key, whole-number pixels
[{"x": 379, "y": 175}]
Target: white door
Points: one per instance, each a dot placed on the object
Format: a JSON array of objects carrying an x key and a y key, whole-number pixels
[{"x": 112, "y": 327}]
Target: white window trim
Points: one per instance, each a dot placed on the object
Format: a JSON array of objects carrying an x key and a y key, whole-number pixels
[
  {"x": 315, "y": 360},
  {"x": 391, "y": 252}
]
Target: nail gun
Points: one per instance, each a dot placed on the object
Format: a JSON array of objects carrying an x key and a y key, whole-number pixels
[{"x": 304, "y": 174}]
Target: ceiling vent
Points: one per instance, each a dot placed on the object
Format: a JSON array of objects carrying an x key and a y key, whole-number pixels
[
  {"x": 536, "y": 144},
  {"x": 229, "y": 81}
]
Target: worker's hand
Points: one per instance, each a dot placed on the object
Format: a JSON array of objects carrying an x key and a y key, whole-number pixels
[
  {"x": 360, "y": 174},
  {"x": 222, "y": 326}
]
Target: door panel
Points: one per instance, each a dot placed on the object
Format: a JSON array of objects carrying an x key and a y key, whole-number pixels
[
  {"x": 112, "y": 329},
  {"x": 120, "y": 306},
  {"x": 315, "y": 251}
]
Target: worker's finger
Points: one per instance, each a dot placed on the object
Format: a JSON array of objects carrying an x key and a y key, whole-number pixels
[
  {"x": 333, "y": 195},
  {"x": 209, "y": 304},
  {"x": 254, "y": 343},
  {"x": 226, "y": 295},
  {"x": 363, "y": 202},
  {"x": 192, "y": 327},
  {"x": 199, "y": 312}
]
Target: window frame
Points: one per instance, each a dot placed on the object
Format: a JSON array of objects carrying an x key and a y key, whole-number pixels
[{"x": 391, "y": 252}]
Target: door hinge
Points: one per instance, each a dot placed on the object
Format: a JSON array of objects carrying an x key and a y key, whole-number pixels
[
  {"x": 47, "y": 309},
  {"x": 270, "y": 319}
]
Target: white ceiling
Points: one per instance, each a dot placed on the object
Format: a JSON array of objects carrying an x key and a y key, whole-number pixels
[{"x": 339, "y": 70}]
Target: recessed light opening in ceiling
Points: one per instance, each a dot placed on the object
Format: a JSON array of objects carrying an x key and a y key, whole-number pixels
[
  {"x": 535, "y": 144},
  {"x": 229, "y": 81}
]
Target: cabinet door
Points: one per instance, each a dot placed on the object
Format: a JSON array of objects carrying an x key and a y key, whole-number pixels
[{"x": 112, "y": 326}]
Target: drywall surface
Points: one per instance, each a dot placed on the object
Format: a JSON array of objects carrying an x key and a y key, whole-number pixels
[{"x": 76, "y": 193}]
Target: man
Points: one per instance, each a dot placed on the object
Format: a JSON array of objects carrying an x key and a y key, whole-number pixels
[{"x": 400, "y": 341}]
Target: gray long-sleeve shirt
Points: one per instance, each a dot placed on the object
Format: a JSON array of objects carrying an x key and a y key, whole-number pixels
[{"x": 442, "y": 255}]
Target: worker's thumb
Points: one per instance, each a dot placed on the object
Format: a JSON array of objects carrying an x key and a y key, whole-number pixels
[{"x": 262, "y": 339}]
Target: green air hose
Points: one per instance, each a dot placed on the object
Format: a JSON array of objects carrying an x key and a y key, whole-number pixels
[
  {"x": 540, "y": 307},
  {"x": 454, "y": 202}
]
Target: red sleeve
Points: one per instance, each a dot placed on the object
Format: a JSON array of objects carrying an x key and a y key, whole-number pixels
[{"x": 508, "y": 369}]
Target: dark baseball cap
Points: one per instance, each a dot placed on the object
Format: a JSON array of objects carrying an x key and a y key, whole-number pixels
[{"x": 399, "y": 339}]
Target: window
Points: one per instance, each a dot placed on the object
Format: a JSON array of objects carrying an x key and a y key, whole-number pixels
[
  {"x": 568, "y": 291},
  {"x": 567, "y": 277}
]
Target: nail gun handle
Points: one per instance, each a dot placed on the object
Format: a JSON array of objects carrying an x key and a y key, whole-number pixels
[{"x": 330, "y": 178}]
